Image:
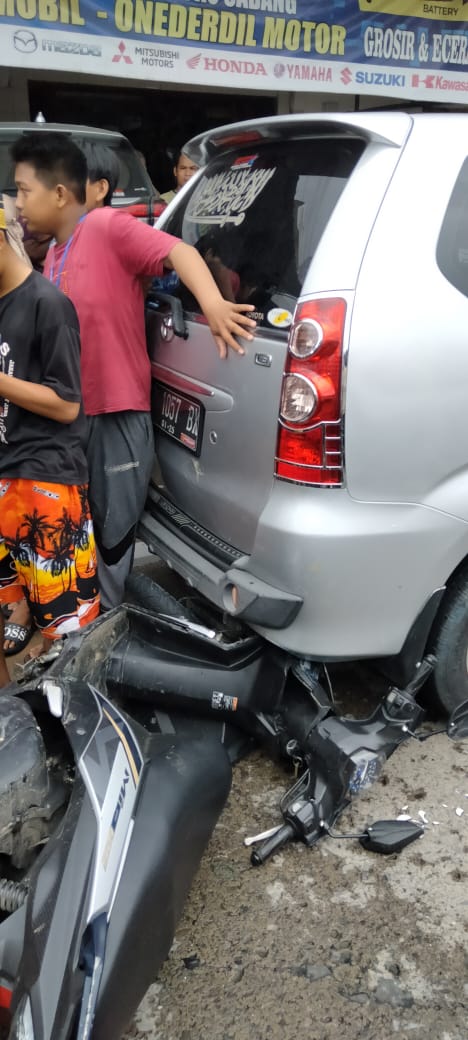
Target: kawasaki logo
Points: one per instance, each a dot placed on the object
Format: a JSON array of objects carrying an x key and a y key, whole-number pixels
[{"x": 438, "y": 82}]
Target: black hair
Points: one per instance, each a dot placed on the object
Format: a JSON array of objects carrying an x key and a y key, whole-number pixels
[
  {"x": 175, "y": 155},
  {"x": 103, "y": 164},
  {"x": 55, "y": 158}
]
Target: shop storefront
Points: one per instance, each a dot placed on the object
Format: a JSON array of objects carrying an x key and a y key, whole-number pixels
[{"x": 149, "y": 66}]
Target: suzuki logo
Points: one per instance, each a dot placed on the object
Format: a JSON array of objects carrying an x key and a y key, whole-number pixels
[
  {"x": 346, "y": 77},
  {"x": 126, "y": 58}
]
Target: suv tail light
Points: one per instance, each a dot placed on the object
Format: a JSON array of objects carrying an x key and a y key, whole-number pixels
[{"x": 310, "y": 449}]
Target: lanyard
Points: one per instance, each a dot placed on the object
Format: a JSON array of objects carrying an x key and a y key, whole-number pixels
[{"x": 58, "y": 279}]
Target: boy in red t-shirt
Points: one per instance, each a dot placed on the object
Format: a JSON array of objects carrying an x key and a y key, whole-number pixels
[{"x": 100, "y": 260}]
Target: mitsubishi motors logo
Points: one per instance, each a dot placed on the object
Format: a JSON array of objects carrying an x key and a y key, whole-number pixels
[
  {"x": 122, "y": 55},
  {"x": 346, "y": 77}
]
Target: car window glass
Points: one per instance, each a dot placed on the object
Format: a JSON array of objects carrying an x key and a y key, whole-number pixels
[
  {"x": 7, "y": 170},
  {"x": 257, "y": 218},
  {"x": 452, "y": 246}
]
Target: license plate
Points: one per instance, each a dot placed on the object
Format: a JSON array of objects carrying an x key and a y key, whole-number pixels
[{"x": 178, "y": 417}]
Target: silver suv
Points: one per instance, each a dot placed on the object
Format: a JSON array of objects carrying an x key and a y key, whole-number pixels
[{"x": 317, "y": 488}]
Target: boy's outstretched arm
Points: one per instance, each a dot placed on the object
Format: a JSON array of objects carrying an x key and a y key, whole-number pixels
[{"x": 225, "y": 319}]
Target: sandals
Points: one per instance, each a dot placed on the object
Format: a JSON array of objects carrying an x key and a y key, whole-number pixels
[{"x": 19, "y": 635}]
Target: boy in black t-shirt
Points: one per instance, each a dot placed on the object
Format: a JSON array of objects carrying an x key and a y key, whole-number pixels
[{"x": 47, "y": 546}]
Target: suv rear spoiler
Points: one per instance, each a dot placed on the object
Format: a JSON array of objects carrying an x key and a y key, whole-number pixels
[{"x": 393, "y": 130}]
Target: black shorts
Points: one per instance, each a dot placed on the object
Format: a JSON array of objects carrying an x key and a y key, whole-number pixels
[{"x": 120, "y": 456}]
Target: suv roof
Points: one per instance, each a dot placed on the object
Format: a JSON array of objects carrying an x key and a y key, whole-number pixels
[{"x": 92, "y": 131}]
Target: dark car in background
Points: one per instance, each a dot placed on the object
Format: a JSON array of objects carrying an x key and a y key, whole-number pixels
[{"x": 134, "y": 191}]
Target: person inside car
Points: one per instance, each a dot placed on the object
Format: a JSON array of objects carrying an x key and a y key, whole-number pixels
[
  {"x": 183, "y": 170},
  {"x": 99, "y": 261}
]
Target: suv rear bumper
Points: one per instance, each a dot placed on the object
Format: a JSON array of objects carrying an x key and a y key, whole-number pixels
[
  {"x": 361, "y": 572},
  {"x": 236, "y": 590}
]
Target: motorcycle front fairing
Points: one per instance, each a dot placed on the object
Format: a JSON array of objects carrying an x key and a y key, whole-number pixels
[{"x": 111, "y": 881}]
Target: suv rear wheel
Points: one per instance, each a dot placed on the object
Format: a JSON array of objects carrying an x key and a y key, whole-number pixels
[{"x": 450, "y": 645}]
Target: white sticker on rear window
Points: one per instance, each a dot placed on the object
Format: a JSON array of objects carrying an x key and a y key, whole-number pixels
[
  {"x": 225, "y": 198},
  {"x": 279, "y": 317}
]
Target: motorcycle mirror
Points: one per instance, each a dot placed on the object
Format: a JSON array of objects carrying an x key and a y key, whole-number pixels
[
  {"x": 457, "y": 727},
  {"x": 388, "y": 836}
]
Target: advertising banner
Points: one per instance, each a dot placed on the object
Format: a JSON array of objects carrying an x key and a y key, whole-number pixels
[{"x": 412, "y": 49}]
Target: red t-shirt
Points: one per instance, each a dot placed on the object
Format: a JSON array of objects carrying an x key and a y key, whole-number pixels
[{"x": 100, "y": 269}]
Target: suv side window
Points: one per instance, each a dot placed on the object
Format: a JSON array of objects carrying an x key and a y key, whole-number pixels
[
  {"x": 257, "y": 217},
  {"x": 452, "y": 246}
]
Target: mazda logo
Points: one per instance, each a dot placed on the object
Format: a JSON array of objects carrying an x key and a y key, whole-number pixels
[{"x": 25, "y": 41}]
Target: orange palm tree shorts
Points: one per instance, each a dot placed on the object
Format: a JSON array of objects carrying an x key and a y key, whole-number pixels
[{"x": 47, "y": 553}]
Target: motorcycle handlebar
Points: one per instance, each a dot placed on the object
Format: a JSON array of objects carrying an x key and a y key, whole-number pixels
[{"x": 266, "y": 849}]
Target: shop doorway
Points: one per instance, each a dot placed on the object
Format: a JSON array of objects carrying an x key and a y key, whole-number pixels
[{"x": 156, "y": 122}]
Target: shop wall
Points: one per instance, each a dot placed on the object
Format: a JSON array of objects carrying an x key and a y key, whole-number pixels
[{"x": 14, "y": 102}]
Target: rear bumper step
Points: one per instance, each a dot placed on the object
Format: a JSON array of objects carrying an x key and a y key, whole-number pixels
[{"x": 205, "y": 542}]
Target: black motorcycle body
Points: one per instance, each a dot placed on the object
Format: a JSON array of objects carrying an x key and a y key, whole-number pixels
[
  {"x": 119, "y": 764},
  {"x": 107, "y": 889}
]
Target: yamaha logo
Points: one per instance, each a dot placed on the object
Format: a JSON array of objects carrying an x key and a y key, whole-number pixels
[{"x": 25, "y": 41}]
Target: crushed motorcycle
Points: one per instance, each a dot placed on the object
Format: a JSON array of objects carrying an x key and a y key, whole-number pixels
[{"x": 116, "y": 756}]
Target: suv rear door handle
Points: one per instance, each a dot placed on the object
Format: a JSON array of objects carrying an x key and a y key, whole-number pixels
[{"x": 153, "y": 303}]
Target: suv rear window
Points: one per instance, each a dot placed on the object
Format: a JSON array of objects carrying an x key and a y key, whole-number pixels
[{"x": 257, "y": 217}]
